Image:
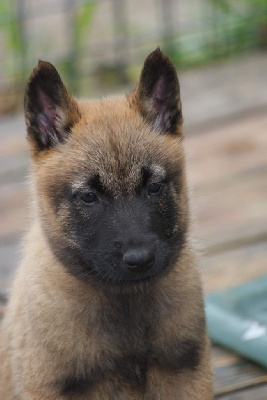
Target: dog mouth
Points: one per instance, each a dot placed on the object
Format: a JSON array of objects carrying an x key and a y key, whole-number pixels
[
  {"x": 131, "y": 280},
  {"x": 136, "y": 280}
]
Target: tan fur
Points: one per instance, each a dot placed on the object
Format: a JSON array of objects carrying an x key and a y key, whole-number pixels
[{"x": 48, "y": 307}]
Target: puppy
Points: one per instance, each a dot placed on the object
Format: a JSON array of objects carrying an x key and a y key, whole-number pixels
[{"x": 107, "y": 304}]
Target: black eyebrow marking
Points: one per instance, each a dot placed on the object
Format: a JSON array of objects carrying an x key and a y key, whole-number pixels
[
  {"x": 146, "y": 174},
  {"x": 157, "y": 172},
  {"x": 96, "y": 184}
]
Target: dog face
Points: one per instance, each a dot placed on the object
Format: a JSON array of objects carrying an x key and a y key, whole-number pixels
[{"x": 109, "y": 175}]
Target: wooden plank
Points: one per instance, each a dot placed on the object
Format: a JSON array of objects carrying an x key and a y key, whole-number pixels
[
  {"x": 222, "y": 152},
  {"x": 228, "y": 169},
  {"x": 255, "y": 393},
  {"x": 14, "y": 168},
  {"x": 12, "y": 126},
  {"x": 221, "y": 357},
  {"x": 234, "y": 267},
  {"x": 13, "y": 210},
  {"x": 231, "y": 378},
  {"x": 13, "y": 144},
  {"x": 13, "y": 149},
  {"x": 234, "y": 213},
  {"x": 232, "y": 372}
]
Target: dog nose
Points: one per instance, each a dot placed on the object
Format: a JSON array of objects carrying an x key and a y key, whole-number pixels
[{"x": 139, "y": 259}]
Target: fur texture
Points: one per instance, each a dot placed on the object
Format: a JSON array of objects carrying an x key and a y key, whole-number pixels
[{"x": 107, "y": 303}]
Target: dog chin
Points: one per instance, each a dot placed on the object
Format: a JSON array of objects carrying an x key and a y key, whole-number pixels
[{"x": 130, "y": 280}]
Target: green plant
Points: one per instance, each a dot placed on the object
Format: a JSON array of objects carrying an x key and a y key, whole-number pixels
[
  {"x": 232, "y": 28},
  {"x": 250, "y": 19},
  {"x": 9, "y": 25},
  {"x": 81, "y": 22}
]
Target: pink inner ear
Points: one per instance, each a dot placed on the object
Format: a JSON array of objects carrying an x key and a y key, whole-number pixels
[
  {"x": 47, "y": 106},
  {"x": 46, "y": 119},
  {"x": 160, "y": 98},
  {"x": 158, "y": 90}
]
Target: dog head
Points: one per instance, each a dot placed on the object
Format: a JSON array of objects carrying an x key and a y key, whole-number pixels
[{"x": 109, "y": 175}]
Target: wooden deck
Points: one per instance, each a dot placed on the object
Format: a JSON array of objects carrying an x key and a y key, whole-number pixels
[{"x": 227, "y": 169}]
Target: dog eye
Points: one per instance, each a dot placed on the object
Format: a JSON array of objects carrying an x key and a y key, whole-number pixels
[
  {"x": 89, "y": 198},
  {"x": 154, "y": 188}
]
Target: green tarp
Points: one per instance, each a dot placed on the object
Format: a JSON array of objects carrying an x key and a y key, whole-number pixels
[{"x": 237, "y": 318}]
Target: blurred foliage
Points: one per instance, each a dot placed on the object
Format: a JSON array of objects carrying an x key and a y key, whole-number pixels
[
  {"x": 82, "y": 20},
  {"x": 10, "y": 27},
  {"x": 250, "y": 17},
  {"x": 233, "y": 28},
  {"x": 218, "y": 29},
  {"x": 10, "y": 20}
]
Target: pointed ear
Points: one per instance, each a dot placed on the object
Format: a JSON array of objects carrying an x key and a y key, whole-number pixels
[
  {"x": 157, "y": 96},
  {"x": 49, "y": 111}
]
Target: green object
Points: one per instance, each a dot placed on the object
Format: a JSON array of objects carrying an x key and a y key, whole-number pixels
[{"x": 237, "y": 318}]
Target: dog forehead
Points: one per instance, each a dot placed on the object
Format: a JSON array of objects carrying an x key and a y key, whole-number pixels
[
  {"x": 118, "y": 162},
  {"x": 113, "y": 142}
]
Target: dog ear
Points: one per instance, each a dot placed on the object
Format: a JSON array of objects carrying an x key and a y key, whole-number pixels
[
  {"x": 49, "y": 111},
  {"x": 157, "y": 96}
]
